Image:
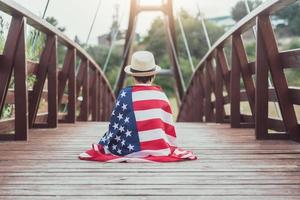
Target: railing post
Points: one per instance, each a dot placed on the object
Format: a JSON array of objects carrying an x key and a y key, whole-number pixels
[
  {"x": 219, "y": 94},
  {"x": 71, "y": 117},
  {"x": 52, "y": 87},
  {"x": 94, "y": 96},
  {"x": 68, "y": 74},
  {"x": 21, "y": 95},
  {"x": 261, "y": 92},
  {"x": 84, "y": 108},
  {"x": 235, "y": 116},
  {"x": 47, "y": 62},
  {"x": 208, "y": 111},
  {"x": 278, "y": 77}
]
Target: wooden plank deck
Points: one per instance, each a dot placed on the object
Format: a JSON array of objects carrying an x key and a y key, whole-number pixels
[{"x": 231, "y": 165}]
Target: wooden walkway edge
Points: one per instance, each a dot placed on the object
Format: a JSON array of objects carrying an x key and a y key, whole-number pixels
[{"x": 232, "y": 165}]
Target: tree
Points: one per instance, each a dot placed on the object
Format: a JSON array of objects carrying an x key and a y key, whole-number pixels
[
  {"x": 155, "y": 41},
  {"x": 292, "y": 15},
  {"x": 239, "y": 10}
]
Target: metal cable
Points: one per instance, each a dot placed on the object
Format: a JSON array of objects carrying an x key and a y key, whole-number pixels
[
  {"x": 184, "y": 38},
  {"x": 93, "y": 22}
]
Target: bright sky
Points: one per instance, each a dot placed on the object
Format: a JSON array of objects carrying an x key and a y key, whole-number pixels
[{"x": 77, "y": 16}]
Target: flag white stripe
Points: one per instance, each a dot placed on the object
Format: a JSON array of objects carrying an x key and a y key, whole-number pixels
[
  {"x": 149, "y": 95},
  {"x": 157, "y": 113},
  {"x": 155, "y": 134},
  {"x": 145, "y": 153}
]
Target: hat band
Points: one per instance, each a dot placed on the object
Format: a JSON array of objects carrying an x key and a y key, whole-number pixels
[{"x": 138, "y": 71}]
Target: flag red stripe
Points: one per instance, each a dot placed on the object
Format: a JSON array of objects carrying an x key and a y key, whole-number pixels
[
  {"x": 152, "y": 104},
  {"x": 154, "y": 145},
  {"x": 137, "y": 88},
  {"x": 154, "y": 124}
]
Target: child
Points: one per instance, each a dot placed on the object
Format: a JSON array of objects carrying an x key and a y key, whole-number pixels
[{"x": 141, "y": 126}]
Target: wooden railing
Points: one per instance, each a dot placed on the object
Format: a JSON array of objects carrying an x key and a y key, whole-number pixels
[
  {"x": 215, "y": 83},
  {"x": 88, "y": 97}
]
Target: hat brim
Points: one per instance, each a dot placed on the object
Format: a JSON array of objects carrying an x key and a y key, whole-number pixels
[{"x": 149, "y": 73}]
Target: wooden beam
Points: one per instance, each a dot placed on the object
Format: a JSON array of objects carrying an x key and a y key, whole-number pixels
[
  {"x": 52, "y": 87},
  {"x": 246, "y": 72},
  {"x": 7, "y": 60},
  {"x": 21, "y": 95},
  {"x": 84, "y": 107},
  {"x": 278, "y": 77},
  {"x": 261, "y": 92},
  {"x": 208, "y": 110},
  {"x": 38, "y": 86},
  {"x": 235, "y": 118},
  {"x": 219, "y": 104},
  {"x": 71, "y": 107}
]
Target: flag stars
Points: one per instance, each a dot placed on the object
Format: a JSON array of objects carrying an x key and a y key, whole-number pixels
[
  {"x": 123, "y": 142},
  {"x": 118, "y": 138},
  {"x": 130, "y": 147},
  {"x": 121, "y": 129},
  {"x": 117, "y": 103},
  {"x": 124, "y": 106},
  {"x": 113, "y": 113},
  {"x": 120, "y": 116},
  {"x": 103, "y": 139},
  {"x": 123, "y": 94},
  {"x": 115, "y": 126},
  {"x": 126, "y": 120},
  {"x": 110, "y": 135},
  {"x": 114, "y": 147},
  {"x": 128, "y": 133},
  {"x": 119, "y": 151}
]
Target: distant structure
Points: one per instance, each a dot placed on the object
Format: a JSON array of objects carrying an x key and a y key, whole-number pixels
[{"x": 226, "y": 21}]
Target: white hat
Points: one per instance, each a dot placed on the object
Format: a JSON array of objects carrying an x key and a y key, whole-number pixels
[{"x": 142, "y": 64}]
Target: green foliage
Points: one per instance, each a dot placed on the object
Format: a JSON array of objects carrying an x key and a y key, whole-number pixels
[
  {"x": 292, "y": 15},
  {"x": 239, "y": 10},
  {"x": 155, "y": 41},
  {"x": 250, "y": 50}
]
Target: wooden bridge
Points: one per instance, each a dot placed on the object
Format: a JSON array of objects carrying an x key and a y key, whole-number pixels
[{"x": 240, "y": 156}]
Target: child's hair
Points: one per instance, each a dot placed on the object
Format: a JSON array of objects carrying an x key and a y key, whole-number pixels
[{"x": 143, "y": 79}]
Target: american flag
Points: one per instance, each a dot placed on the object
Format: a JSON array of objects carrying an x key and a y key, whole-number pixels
[{"x": 140, "y": 130}]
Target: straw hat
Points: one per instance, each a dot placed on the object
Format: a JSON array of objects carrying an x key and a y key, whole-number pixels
[{"x": 142, "y": 64}]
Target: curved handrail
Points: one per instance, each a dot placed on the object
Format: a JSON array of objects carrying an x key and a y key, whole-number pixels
[
  {"x": 13, "y": 8},
  {"x": 246, "y": 23},
  {"x": 201, "y": 86},
  {"x": 243, "y": 25},
  {"x": 97, "y": 95}
]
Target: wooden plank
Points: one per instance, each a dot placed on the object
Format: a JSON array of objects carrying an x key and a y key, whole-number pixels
[
  {"x": 235, "y": 90},
  {"x": 52, "y": 87},
  {"x": 219, "y": 104},
  {"x": 38, "y": 86},
  {"x": 294, "y": 93},
  {"x": 93, "y": 96},
  {"x": 71, "y": 117},
  {"x": 278, "y": 77},
  {"x": 290, "y": 58},
  {"x": 232, "y": 165},
  {"x": 208, "y": 110},
  {"x": 63, "y": 76},
  {"x": 7, "y": 60},
  {"x": 101, "y": 94},
  {"x": 221, "y": 58},
  {"x": 84, "y": 107},
  {"x": 262, "y": 91},
  {"x": 32, "y": 67},
  {"x": 21, "y": 97},
  {"x": 246, "y": 73}
]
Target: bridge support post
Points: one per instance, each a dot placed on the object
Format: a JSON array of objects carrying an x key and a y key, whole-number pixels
[
  {"x": 235, "y": 76},
  {"x": 14, "y": 58}
]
